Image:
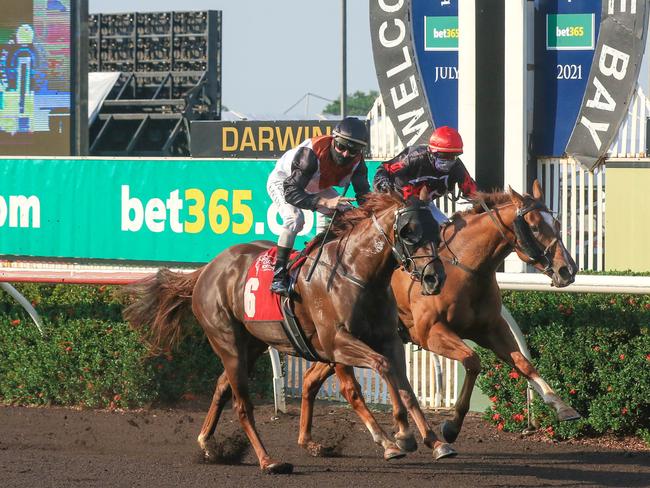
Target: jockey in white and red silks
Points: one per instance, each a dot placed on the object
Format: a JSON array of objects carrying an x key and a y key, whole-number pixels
[{"x": 303, "y": 178}]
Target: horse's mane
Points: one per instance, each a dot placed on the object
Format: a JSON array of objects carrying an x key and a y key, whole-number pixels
[
  {"x": 373, "y": 202},
  {"x": 491, "y": 200}
]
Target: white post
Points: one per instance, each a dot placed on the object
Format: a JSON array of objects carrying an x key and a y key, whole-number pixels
[
  {"x": 467, "y": 81},
  {"x": 278, "y": 382},
  {"x": 515, "y": 127}
]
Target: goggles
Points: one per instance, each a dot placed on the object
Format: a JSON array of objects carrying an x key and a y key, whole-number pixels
[{"x": 342, "y": 146}]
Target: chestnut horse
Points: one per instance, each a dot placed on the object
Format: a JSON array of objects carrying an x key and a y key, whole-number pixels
[
  {"x": 475, "y": 244},
  {"x": 346, "y": 310}
]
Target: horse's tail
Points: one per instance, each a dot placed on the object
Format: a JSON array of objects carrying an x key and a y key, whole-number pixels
[{"x": 158, "y": 306}]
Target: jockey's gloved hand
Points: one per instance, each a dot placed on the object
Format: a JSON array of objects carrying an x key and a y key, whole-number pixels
[{"x": 337, "y": 203}]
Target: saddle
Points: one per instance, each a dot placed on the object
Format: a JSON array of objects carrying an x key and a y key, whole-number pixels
[{"x": 260, "y": 305}]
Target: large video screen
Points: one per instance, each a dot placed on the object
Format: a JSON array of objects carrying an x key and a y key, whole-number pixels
[{"x": 35, "y": 88}]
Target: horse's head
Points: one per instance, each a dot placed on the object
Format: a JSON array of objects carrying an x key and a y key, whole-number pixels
[
  {"x": 416, "y": 237},
  {"x": 538, "y": 240}
]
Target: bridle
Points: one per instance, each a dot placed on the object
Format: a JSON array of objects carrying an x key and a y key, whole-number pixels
[
  {"x": 400, "y": 247},
  {"x": 525, "y": 243}
]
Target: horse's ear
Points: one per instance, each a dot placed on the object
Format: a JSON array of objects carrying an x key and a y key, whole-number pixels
[
  {"x": 538, "y": 194},
  {"x": 424, "y": 194},
  {"x": 516, "y": 198}
]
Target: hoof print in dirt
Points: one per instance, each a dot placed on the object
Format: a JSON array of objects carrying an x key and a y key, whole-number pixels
[
  {"x": 231, "y": 450},
  {"x": 316, "y": 449}
]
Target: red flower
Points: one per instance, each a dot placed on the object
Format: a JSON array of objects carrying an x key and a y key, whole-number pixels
[
  {"x": 117, "y": 397},
  {"x": 500, "y": 426},
  {"x": 572, "y": 391},
  {"x": 647, "y": 306},
  {"x": 514, "y": 375},
  {"x": 609, "y": 388},
  {"x": 631, "y": 301},
  {"x": 68, "y": 349},
  {"x": 624, "y": 410},
  {"x": 647, "y": 357},
  {"x": 621, "y": 357},
  {"x": 612, "y": 301},
  {"x": 596, "y": 348},
  {"x": 518, "y": 417},
  {"x": 493, "y": 399},
  {"x": 497, "y": 366},
  {"x": 496, "y": 417},
  {"x": 15, "y": 322},
  {"x": 497, "y": 387},
  {"x": 549, "y": 430}
]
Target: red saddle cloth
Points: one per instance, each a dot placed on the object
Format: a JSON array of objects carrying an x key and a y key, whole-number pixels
[{"x": 259, "y": 303}]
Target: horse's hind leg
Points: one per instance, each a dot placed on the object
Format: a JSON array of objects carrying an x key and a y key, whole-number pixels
[
  {"x": 351, "y": 390},
  {"x": 222, "y": 394},
  {"x": 445, "y": 342},
  {"x": 312, "y": 380},
  {"x": 233, "y": 348},
  {"x": 499, "y": 339}
]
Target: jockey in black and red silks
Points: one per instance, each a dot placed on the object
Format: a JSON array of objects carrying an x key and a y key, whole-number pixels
[
  {"x": 436, "y": 166},
  {"x": 303, "y": 179}
]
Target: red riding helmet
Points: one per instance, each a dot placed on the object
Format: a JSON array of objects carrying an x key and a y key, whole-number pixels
[{"x": 446, "y": 140}]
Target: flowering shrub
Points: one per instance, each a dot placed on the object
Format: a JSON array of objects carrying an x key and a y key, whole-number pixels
[
  {"x": 90, "y": 357},
  {"x": 594, "y": 351}
]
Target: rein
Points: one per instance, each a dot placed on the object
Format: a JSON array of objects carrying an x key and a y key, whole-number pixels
[{"x": 529, "y": 247}]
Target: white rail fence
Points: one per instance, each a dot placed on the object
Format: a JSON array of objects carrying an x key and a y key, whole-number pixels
[{"x": 422, "y": 369}]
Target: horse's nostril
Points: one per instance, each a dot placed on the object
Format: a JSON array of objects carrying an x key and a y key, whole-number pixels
[{"x": 564, "y": 273}]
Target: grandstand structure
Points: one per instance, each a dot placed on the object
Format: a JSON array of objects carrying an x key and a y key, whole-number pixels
[{"x": 169, "y": 66}]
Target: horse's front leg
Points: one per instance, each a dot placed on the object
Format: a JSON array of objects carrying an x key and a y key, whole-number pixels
[
  {"x": 314, "y": 378},
  {"x": 394, "y": 351},
  {"x": 499, "y": 339},
  {"x": 445, "y": 342}
]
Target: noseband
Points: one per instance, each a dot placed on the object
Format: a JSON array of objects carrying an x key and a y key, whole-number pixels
[
  {"x": 526, "y": 243},
  {"x": 400, "y": 247}
]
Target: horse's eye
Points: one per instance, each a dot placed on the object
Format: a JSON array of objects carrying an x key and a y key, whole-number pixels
[{"x": 534, "y": 228}]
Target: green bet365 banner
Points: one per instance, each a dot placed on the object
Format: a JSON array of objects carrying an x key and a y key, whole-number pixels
[{"x": 170, "y": 210}]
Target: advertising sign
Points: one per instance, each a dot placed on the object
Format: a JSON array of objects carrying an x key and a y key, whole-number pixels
[
  {"x": 565, "y": 35},
  {"x": 612, "y": 80},
  {"x": 35, "y": 77},
  {"x": 435, "y": 37},
  {"x": 252, "y": 139},
  {"x": 158, "y": 210},
  {"x": 415, "y": 47},
  {"x": 397, "y": 70}
]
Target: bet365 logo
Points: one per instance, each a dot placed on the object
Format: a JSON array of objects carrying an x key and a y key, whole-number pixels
[{"x": 571, "y": 32}]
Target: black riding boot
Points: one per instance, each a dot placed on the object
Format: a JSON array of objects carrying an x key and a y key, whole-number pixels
[{"x": 280, "y": 283}]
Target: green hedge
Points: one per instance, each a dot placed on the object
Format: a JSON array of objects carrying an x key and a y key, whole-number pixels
[
  {"x": 593, "y": 349},
  {"x": 90, "y": 357}
]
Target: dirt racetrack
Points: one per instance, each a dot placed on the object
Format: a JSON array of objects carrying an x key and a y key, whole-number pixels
[{"x": 52, "y": 447}]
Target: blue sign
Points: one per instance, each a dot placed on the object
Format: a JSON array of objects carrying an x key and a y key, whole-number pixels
[
  {"x": 565, "y": 37},
  {"x": 435, "y": 36}
]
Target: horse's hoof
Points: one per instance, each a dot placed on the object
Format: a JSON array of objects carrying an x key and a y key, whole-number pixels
[
  {"x": 443, "y": 451},
  {"x": 449, "y": 431},
  {"x": 393, "y": 453},
  {"x": 278, "y": 468},
  {"x": 407, "y": 444},
  {"x": 567, "y": 414}
]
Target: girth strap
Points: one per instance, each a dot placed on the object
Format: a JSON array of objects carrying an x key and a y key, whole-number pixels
[{"x": 296, "y": 335}]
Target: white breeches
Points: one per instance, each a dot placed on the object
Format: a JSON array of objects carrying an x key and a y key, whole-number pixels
[{"x": 293, "y": 219}]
